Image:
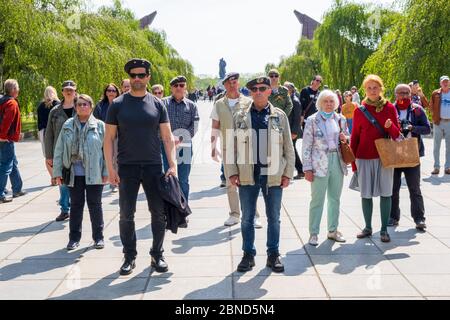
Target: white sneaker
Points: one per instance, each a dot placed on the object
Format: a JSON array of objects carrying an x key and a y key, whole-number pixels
[
  {"x": 114, "y": 189},
  {"x": 258, "y": 224},
  {"x": 231, "y": 221},
  {"x": 313, "y": 240},
  {"x": 336, "y": 236}
]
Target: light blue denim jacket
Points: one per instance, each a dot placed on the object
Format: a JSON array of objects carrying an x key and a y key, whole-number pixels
[{"x": 93, "y": 159}]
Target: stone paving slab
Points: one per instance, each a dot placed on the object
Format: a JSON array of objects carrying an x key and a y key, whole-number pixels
[{"x": 203, "y": 258}]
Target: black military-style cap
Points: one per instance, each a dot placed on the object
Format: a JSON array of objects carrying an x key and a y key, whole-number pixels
[
  {"x": 178, "y": 79},
  {"x": 137, "y": 63},
  {"x": 230, "y": 76},
  {"x": 69, "y": 84},
  {"x": 260, "y": 80}
]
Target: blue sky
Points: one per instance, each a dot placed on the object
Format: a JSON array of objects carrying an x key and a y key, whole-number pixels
[{"x": 246, "y": 33}]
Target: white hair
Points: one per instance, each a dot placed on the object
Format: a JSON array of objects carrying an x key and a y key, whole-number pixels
[
  {"x": 325, "y": 94},
  {"x": 11, "y": 85}
]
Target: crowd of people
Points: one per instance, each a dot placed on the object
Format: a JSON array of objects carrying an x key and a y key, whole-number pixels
[{"x": 134, "y": 137}]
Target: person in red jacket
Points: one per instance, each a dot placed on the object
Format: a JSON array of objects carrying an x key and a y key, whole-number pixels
[
  {"x": 10, "y": 127},
  {"x": 374, "y": 180}
]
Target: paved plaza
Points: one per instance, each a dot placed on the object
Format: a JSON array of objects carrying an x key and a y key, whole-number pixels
[{"x": 34, "y": 263}]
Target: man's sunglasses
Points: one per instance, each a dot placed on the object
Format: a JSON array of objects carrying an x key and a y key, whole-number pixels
[
  {"x": 318, "y": 80},
  {"x": 181, "y": 85},
  {"x": 261, "y": 89},
  {"x": 138, "y": 75}
]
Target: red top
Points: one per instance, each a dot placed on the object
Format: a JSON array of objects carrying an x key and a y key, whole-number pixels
[
  {"x": 10, "y": 124},
  {"x": 365, "y": 133}
]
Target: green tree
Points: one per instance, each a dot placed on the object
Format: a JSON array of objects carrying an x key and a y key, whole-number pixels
[
  {"x": 46, "y": 42},
  {"x": 349, "y": 34},
  {"x": 416, "y": 47}
]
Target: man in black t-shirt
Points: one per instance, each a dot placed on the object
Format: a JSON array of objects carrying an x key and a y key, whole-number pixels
[
  {"x": 308, "y": 98},
  {"x": 137, "y": 117}
]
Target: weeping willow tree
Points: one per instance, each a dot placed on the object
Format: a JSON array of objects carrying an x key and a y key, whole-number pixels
[
  {"x": 417, "y": 47},
  {"x": 303, "y": 65},
  {"x": 46, "y": 42},
  {"x": 349, "y": 34}
]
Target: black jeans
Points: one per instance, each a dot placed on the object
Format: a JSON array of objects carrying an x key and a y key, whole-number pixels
[
  {"x": 412, "y": 176},
  {"x": 79, "y": 194},
  {"x": 131, "y": 177},
  {"x": 298, "y": 162}
]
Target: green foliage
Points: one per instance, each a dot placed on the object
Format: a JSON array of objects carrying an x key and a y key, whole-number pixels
[
  {"x": 302, "y": 66},
  {"x": 349, "y": 34},
  {"x": 42, "y": 44},
  {"x": 416, "y": 47}
]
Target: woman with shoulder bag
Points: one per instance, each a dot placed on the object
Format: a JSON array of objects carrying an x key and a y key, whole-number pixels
[
  {"x": 79, "y": 153},
  {"x": 323, "y": 164},
  {"x": 373, "y": 179}
]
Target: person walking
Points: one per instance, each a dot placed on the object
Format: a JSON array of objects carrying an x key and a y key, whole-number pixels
[{"x": 79, "y": 151}]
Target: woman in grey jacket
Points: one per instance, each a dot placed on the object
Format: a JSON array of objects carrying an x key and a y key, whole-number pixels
[{"x": 79, "y": 153}]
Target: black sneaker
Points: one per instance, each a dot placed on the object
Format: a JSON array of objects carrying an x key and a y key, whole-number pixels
[
  {"x": 420, "y": 225},
  {"x": 159, "y": 264},
  {"x": 392, "y": 222},
  {"x": 274, "y": 262},
  {"x": 99, "y": 244},
  {"x": 5, "y": 200},
  {"x": 127, "y": 267},
  {"x": 247, "y": 263},
  {"x": 72, "y": 245},
  {"x": 223, "y": 184},
  {"x": 62, "y": 216},
  {"x": 19, "y": 194}
]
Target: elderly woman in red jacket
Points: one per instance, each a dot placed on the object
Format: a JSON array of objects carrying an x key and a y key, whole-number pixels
[{"x": 374, "y": 180}]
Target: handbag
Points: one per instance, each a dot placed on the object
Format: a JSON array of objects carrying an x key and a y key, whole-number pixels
[
  {"x": 403, "y": 153},
  {"x": 66, "y": 175},
  {"x": 354, "y": 184},
  {"x": 346, "y": 152}
]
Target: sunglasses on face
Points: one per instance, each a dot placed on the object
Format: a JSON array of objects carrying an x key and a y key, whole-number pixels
[
  {"x": 159, "y": 92},
  {"x": 181, "y": 85},
  {"x": 111, "y": 90},
  {"x": 318, "y": 80},
  {"x": 260, "y": 89},
  {"x": 138, "y": 75},
  {"x": 83, "y": 104},
  {"x": 273, "y": 75}
]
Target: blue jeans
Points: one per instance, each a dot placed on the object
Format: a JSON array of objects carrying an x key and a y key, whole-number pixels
[
  {"x": 64, "y": 198},
  {"x": 222, "y": 175},
  {"x": 184, "y": 160},
  {"x": 248, "y": 196},
  {"x": 8, "y": 167},
  {"x": 350, "y": 125}
]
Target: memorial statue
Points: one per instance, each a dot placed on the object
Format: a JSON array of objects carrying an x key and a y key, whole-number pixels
[{"x": 222, "y": 71}]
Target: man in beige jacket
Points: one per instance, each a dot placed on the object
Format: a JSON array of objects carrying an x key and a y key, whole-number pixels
[
  {"x": 222, "y": 120},
  {"x": 263, "y": 160}
]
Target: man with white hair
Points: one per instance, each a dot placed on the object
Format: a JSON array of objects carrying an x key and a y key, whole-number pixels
[
  {"x": 440, "y": 110},
  {"x": 10, "y": 127}
]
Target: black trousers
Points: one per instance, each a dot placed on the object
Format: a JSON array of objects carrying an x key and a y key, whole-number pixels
[
  {"x": 131, "y": 177},
  {"x": 412, "y": 176},
  {"x": 298, "y": 162},
  {"x": 79, "y": 194}
]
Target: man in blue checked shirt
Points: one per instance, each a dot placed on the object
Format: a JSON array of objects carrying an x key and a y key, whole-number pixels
[{"x": 183, "y": 116}]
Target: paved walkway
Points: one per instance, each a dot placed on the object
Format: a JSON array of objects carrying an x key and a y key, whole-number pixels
[{"x": 203, "y": 258}]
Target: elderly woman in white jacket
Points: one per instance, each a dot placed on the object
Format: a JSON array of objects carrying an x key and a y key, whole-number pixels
[{"x": 323, "y": 164}]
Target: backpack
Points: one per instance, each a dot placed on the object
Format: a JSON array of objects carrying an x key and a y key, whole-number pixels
[{"x": 3, "y": 100}]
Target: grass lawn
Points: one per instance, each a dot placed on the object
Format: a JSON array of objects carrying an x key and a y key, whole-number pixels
[{"x": 28, "y": 124}]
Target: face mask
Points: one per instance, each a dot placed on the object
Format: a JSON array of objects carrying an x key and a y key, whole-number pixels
[
  {"x": 403, "y": 104},
  {"x": 327, "y": 115}
]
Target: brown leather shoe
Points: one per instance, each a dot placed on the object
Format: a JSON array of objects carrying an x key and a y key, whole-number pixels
[
  {"x": 435, "y": 171},
  {"x": 364, "y": 234},
  {"x": 447, "y": 171}
]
